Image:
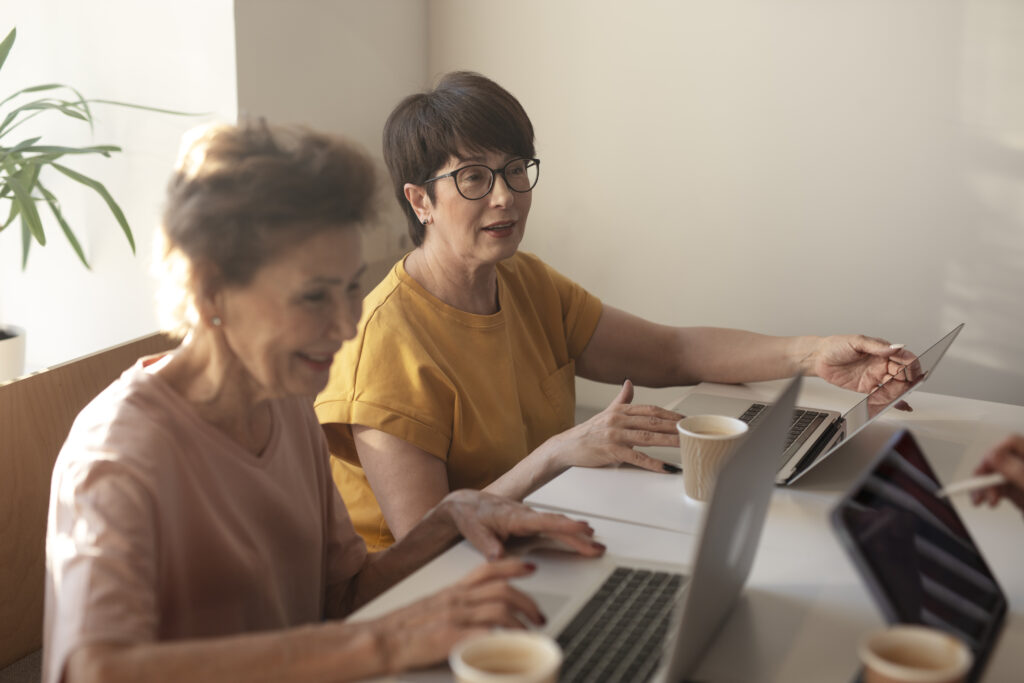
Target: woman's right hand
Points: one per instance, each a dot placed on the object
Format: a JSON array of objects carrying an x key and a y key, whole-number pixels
[
  {"x": 609, "y": 437},
  {"x": 1006, "y": 458},
  {"x": 422, "y": 633}
]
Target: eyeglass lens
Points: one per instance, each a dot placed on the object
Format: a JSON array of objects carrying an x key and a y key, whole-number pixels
[{"x": 475, "y": 181}]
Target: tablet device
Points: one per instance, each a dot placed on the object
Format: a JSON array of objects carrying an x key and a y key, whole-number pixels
[{"x": 915, "y": 555}]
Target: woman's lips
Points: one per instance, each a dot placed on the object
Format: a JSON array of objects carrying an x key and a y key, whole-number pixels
[
  {"x": 317, "y": 362},
  {"x": 500, "y": 229}
]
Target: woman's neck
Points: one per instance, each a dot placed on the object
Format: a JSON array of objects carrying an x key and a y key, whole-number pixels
[
  {"x": 469, "y": 288},
  {"x": 213, "y": 380}
]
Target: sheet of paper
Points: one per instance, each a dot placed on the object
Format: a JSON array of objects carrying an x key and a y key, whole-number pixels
[{"x": 626, "y": 494}]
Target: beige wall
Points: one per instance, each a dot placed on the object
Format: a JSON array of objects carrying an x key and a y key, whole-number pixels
[
  {"x": 788, "y": 167},
  {"x": 176, "y": 55},
  {"x": 338, "y": 66}
]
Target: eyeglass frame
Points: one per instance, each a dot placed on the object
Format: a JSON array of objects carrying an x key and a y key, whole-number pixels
[{"x": 494, "y": 174}]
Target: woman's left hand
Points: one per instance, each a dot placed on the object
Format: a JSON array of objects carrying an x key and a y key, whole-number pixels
[
  {"x": 864, "y": 363},
  {"x": 488, "y": 521}
]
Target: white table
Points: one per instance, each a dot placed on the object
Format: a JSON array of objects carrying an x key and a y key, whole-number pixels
[{"x": 804, "y": 607}]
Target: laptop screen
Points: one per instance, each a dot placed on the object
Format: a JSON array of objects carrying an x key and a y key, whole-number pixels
[
  {"x": 914, "y": 553},
  {"x": 897, "y": 388}
]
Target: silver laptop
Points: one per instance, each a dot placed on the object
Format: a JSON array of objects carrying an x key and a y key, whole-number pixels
[
  {"x": 815, "y": 434},
  {"x": 623, "y": 620}
]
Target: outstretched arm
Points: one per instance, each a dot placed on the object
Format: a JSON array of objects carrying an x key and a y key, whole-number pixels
[{"x": 625, "y": 346}]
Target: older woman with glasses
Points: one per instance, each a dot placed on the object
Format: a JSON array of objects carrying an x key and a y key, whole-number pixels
[
  {"x": 462, "y": 372},
  {"x": 194, "y": 531}
]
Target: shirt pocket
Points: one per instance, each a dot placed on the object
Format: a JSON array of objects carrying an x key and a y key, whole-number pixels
[{"x": 560, "y": 389}]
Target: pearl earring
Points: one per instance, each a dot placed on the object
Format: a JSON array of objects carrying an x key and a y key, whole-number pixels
[{"x": 217, "y": 322}]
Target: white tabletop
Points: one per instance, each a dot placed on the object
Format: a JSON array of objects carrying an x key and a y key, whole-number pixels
[{"x": 804, "y": 606}]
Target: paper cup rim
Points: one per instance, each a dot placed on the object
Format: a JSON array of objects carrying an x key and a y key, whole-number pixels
[
  {"x": 547, "y": 643},
  {"x": 963, "y": 663},
  {"x": 742, "y": 426}
]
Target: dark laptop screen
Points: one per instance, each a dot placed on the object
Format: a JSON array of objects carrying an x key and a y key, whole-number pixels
[{"x": 915, "y": 554}]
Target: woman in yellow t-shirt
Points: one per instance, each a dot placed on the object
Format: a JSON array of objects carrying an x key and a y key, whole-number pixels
[{"x": 462, "y": 373}]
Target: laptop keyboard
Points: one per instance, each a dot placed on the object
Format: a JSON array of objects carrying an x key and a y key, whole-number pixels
[
  {"x": 803, "y": 425},
  {"x": 619, "y": 633}
]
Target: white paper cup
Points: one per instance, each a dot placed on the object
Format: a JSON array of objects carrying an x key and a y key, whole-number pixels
[
  {"x": 705, "y": 443},
  {"x": 914, "y": 654},
  {"x": 506, "y": 656}
]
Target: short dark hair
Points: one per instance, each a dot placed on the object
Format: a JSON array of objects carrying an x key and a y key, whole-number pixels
[
  {"x": 465, "y": 112},
  {"x": 241, "y": 192}
]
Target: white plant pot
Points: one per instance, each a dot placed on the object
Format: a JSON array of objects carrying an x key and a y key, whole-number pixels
[{"x": 12, "y": 353}]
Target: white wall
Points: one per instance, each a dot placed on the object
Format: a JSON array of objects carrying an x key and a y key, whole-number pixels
[
  {"x": 176, "y": 55},
  {"x": 789, "y": 167},
  {"x": 339, "y": 66}
]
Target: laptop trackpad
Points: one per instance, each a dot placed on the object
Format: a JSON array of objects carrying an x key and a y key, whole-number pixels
[{"x": 550, "y": 604}]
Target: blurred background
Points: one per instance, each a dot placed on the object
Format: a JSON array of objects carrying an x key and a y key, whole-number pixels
[{"x": 785, "y": 166}]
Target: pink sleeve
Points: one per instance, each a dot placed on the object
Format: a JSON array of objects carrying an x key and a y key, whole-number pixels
[{"x": 100, "y": 573}]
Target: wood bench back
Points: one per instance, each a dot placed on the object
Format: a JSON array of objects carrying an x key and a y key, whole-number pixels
[{"x": 36, "y": 413}]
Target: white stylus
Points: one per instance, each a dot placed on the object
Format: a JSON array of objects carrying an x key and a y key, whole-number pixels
[{"x": 971, "y": 484}]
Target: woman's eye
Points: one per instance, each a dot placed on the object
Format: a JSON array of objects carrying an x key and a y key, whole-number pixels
[
  {"x": 316, "y": 297},
  {"x": 354, "y": 288}
]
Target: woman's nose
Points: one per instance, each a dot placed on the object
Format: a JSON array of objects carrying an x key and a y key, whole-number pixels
[{"x": 501, "y": 195}]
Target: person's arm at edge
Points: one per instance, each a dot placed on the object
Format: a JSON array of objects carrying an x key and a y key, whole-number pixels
[
  {"x": 333, "y": 651},
  {"x": 625, "y": 346}
]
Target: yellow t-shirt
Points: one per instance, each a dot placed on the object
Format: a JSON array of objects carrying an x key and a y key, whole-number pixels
[{"x": 480, "y": 392}]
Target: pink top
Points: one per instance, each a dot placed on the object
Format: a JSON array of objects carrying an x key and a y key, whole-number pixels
[{"x": 161, "y": 527}]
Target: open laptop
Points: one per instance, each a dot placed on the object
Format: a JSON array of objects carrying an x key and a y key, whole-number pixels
[
  {"x": 624, "y": 620},
  {"x": 815, "y": 434},
  {"x": 914, "y": 553}
]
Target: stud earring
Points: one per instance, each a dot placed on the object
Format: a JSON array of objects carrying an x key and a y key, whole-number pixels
[{"x": 217, "y": 322}]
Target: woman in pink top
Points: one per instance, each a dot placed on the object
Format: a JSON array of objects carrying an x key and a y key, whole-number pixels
[{"x": 194, "y": 531}]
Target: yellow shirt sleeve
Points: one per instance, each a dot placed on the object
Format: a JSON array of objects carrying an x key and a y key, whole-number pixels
[{"x": 478, "y": 392}]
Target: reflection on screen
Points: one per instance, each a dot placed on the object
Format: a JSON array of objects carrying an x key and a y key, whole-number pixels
[
  {"x": 920, "y": 554},
  {"x": 905, "y": 381}
]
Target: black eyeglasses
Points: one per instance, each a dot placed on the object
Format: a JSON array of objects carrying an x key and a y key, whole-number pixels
[{"x": 476, "y": 180}]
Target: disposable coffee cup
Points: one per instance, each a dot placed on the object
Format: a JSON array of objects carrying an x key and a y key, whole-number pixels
[
  {"x": 705, "y": 443},
  {"x": 506, "y": 656},
  {"x": 914, "y": 654}
]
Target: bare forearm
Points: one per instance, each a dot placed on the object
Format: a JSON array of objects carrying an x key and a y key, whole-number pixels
[
  {"x": 530, "y": 473},
  {"x": 625, "y": 346},
  {"x": 709, "y": 354},
  {"x": 321, "y": 652},
  {"x": 431, "y": 536}
]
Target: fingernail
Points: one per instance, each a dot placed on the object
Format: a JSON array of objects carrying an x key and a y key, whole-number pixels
[
  {"x": 530, "y": 567},
  {"x": 896, "y": 346},
  {"x": 600, "y": 546},
  {"x": 671, "y": 469}
]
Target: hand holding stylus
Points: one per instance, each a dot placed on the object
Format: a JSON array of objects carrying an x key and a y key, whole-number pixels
[{"x": 1006, "y": 459}]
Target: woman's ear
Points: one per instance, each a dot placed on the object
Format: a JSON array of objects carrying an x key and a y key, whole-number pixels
[
  {"x": 420, "y": 202},
  {"x": 206, "y": 284}
]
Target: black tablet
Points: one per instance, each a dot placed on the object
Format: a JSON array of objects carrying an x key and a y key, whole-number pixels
[{"x": 914, "y": 553}]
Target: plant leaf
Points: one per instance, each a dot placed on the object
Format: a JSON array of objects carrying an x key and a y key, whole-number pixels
[
  {"x": 22, "y": 146},
  {"x": 105, "y": 150},
  {"x": 145, "y": 108},
  {"x": 15, "y": 210},
  {"x": 55, "y": 208},
  {"x": 5, "y": 47},
  {"x": 26, "y": 242},
  {"x": 102, "y": 192},
  {"x": 28, "y": 211}
]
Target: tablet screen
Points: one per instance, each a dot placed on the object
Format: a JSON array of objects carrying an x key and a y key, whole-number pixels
[{"x": 914, "y": 552}]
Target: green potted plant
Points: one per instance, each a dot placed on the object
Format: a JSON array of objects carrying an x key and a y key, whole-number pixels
[{"x": 26, "y": 163}]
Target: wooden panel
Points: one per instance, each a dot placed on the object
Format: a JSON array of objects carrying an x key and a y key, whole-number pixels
[{"x": 36, "y": 413}]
